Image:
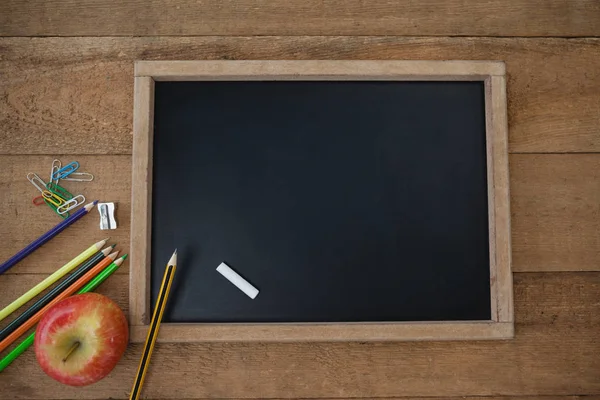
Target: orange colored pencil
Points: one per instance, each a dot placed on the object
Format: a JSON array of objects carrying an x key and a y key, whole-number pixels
[{"x": 106, "y": 261}]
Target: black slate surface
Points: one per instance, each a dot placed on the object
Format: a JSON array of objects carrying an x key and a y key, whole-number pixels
[{"x": 340, "y": 201}]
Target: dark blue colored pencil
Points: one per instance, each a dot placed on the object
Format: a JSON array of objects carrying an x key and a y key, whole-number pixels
[{"x": 31, "y": 247}]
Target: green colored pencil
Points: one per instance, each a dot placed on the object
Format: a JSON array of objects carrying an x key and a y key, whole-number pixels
[{"x": 93, "y": 284}]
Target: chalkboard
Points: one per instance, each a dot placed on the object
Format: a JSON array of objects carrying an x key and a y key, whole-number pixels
[{"x": 343, "y": 201}]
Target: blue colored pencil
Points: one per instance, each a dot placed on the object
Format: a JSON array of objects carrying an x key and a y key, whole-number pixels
[{"x": 31, "y": 247}]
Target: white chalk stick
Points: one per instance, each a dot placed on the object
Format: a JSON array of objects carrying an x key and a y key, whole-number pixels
[{"x": 237, "y": 280}]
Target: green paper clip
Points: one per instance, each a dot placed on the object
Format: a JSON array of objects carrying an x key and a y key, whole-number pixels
[
  {"x": 59, "y": 191},
  {"x": 52, "y": 206}
]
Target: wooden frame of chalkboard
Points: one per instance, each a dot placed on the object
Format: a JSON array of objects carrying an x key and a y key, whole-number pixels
[{"x": 492, "y": 73}]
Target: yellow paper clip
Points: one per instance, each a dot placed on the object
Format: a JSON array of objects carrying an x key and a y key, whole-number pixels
[
  {"x": 39, "y": 200},
  {"x": 54, "y": 208},
  {"x": 59, "y": 190},
  {"x": 53, "y": 198}
]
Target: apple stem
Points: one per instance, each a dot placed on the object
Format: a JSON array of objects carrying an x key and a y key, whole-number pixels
[{"x": 72, "y": 349}]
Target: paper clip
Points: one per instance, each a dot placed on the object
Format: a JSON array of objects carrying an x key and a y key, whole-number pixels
[
  {"x": 70, "y": 204},
  {"x": 84, "y": 177},
  {"x": 56, "y": 166},
  {"x": 65, "y": 171},
  {"x": 59, "y": 190},
  {"x": 53, "y": 198},
  {"x": 36, "y": 181},
  {"x": 54, "y": 208},
  {"x": 38, "y": 200}
]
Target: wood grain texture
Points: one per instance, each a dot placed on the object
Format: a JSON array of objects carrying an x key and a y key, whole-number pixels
[
  {"x": 208, "y": 70},
  {"x": 554, "y": 353},
  {"x": 575, "y": 397},
  {"x": 330, "y": 332},
  {"x": 22, "y": 222},
  {"x": 141, "y": 200},
  {"x": 554, "y": 208},
  {"x": 499, "y": 204},
  {"x": 297, "y": 17},
  {"x": 75, "y": 95},
  {"x": 555, "y": 212},
  {"x": 489, "y": 153}
]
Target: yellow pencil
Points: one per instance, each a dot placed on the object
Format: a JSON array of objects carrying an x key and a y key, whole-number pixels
[
  {"x": 159, "y": 308},
  {"x": 43, "y": 285}
]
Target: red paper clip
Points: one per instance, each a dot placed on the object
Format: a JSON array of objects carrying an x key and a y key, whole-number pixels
[{"x": 38, "y": 200}]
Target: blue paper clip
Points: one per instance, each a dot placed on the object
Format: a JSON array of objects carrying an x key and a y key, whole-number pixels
[{"x": 65, "y": 171}]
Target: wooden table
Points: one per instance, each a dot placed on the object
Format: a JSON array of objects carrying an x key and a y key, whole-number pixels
[{"x": 66, "y": 89}]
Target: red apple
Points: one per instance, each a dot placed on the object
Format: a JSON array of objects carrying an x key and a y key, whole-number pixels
[{"x": 80, "y": 339}]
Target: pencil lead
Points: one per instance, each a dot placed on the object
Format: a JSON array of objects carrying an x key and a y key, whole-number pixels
[{"x": 124, "y": 256}]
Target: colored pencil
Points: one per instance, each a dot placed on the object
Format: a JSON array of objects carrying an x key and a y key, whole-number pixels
[
  {"x": 66, "y": 293},
  {"x": 92, "y": 285},
  {"x": 46, "y": 283},
  {"x": 31, "y": 247},
  {"x": 79, "y": 272},
  {"x": 157, "y": 314}
]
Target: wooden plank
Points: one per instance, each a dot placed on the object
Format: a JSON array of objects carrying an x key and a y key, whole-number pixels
[
  {"x": 141, "y": 195},
  {"x": 297, "y": 17},
  {"x": 318, "y": 70},
  {"x": 499, "y": 203},
  {"x": 575, "y": 397},
  {"x": 24, "y": 222},
  {"x": 555, "y": 224},
  {"x": 489, "y": 152},
  {"x": 77, "y": 93},
  {"x": 555, "y": 212},
  {"x": 554, "y": 353},
  {"x": 334, "y": 332}
]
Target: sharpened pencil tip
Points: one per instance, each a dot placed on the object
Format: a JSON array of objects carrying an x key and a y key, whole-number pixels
[
  {"x": 173, "y": 260},
  {"x": 124, "y": 256},
  {"x": 113, "y": 246},
  {"x": 101, "y": 243},
  {"x": 95, "y": 202}
]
